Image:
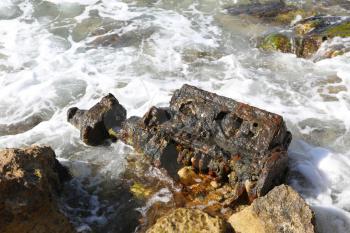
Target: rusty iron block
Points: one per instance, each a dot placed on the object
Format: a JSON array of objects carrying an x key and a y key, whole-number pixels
[
  {"x": 235, "y": 127},
  {"x": 159, "y": 148},
  {"x": 232, "y": 141},
  {"x": 95, "y": 123}
]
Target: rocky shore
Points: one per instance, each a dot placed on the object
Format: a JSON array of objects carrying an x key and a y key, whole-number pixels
[
  {"x": 309, "y": 32},
  {"x": 229, "y": 159},
  {"x": 31, "y": 180},
  {"x": 226, "y": 156}
]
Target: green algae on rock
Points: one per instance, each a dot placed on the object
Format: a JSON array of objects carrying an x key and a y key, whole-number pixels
[
  {"x": 140, "y": 191},
  {"x": 289, "y": 16},
  {"x": 341, "y": 30},
  {"x": 269, "y": 9},
  {"x": 272, "y": 11},
  {"x": 276, "y": 42},
  {"x": 307, "y": 36}
]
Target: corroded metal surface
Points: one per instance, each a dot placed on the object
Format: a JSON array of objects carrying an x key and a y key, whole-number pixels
[
  {"x": 95, "y": 122},
  {"x": 227, "y": 138},
  {"x": 235, "y": 143}
]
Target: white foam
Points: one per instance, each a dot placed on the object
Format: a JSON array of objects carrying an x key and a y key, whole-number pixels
[{"x": 43, "y": 72}]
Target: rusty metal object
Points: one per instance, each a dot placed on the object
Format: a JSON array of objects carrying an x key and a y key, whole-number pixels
[
  {"x": 157, "y": 146},
  {"x": 226, "y": 138},
  {"x": 234, "y": 143},
  {"x": 229, "y": 140},
  {"x": 95, "y": 122}
]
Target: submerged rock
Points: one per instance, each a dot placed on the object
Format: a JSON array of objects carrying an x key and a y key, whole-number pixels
[
  {"x": 140, "y": 191},
  {"x": 30, "y": 181},
  {"x": 262, "y": 10},
  {"x": 274, "y": 11},
  {"x": 95, "y": 122},
  {"x": 277, "y": 42},
  {"x": 194, "y": 55},
  {"x": 281, "y": 210},
  {"x": 117, "y": 40},
  {"x": 9, "y": 11},
  {"x": 45, "y": 10},
  {"x": 189, "y": 220},
  {"x": 307, "y": 36},
  {"x": 22, "y": 126}
]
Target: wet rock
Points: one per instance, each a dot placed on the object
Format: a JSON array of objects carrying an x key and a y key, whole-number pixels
[
  {"x": 24, "y": 125},
  {"x": 70, "y": 10},
  {"x": 162, "y": 194},
  {"x": 86, "y": 27},
  {"x": 45, "y": 10},
  {"x": 333, "y": 47},
  {"x": 9, "y": 11},
  {"x": 307, "y": 36},
  {"x": 30, "y": 181},
  {"x": 188, "y": 176},
  {"x": 277, "y": 42},
  {"x": 188, "y": 220},
  {"x": 261, "y": 10},
  {"x": 321, "y": 132},
  {"x": 294, "y": 14},
  {"x": 106, "y": 38},
  {"x": 281, "y": 210},
  {"x": 220, "y": 199},
  {"x": 274, "y": 11},
  {"x": 193, "y": 55},
  {"x": 100, "y": 27},
  {"x": 95, "y": 122},
  {"x": 140, "y": 191},
  {"x": 324, "y": 26}
]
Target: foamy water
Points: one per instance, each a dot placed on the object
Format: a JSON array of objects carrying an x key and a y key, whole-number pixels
[{"x": 50, "y": 61}]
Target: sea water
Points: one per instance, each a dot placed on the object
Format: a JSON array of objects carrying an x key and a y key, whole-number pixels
[{"x": 57, "y": 54}]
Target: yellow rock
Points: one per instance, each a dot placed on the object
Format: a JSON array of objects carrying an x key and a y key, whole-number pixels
[
  {"x": 184, "y": 220},
  {"x": 188, "y": 176},
  {"x": 247, "y": 222},
  {"x": 281, "y": 210},
  {"x": 140, "y": 191}
]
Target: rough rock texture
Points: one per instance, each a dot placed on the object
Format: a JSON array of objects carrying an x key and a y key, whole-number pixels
[
  {"x": 282, "y": 210},
  {"x": 273, "y": 11},
  {"x": 261, "y": 10},
  {"x": 306, "y": 36},
  {"x": 30, "y": 180},
  {"x": 276, "y": 42},
  {"x": 95, "y": 122},
  {"x": 188, "y": 221}
]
